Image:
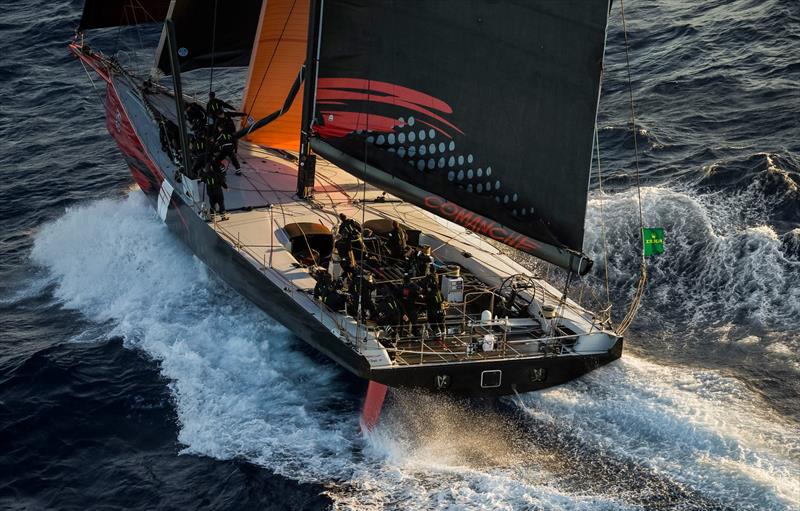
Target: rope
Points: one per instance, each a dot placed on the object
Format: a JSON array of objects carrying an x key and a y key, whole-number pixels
[
  {"x": 91, "y": 80},
  {"x": 602, "y": 215},
  {"x": 635, "y": 303},
  {"x": 637, "y": 297},
  {"x": 633, "y": 115},
  {"x": 141, "y": 43},
  {"x": 363, "y": 213},
  {"x": 561, "y": 302},
  {"x": 213, "y": 47}
]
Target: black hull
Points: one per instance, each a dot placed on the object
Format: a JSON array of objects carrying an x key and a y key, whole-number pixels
[
  {"x": 521, "y": 375},
  {"x": 461, "y": 379}
]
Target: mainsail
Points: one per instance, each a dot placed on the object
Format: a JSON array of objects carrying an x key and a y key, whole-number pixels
[{"x": 482, "y": 113}]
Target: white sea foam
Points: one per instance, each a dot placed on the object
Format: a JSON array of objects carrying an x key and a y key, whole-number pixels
[
  {"x": 699, "y": 428},
  {"x": 722, "y": 263},
  {"x": 242, "y": 389}
]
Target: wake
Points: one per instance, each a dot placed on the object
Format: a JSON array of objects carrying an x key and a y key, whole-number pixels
[{"x": 243, "y": 388}]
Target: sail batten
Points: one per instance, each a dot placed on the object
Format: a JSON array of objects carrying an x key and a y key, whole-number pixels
[{"x": 488, "y": 106}]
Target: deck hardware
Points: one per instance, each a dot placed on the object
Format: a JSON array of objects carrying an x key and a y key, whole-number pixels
[{"x": 491, "y": 379}]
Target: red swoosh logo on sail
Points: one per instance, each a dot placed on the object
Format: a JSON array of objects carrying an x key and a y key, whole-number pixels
[{"x": 339, "y": 91}]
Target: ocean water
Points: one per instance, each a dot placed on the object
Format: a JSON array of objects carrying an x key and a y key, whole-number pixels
[{"x": 132, "y": 378}]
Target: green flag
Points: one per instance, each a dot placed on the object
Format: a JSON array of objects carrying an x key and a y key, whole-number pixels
[{"x": 653, "y": 239}]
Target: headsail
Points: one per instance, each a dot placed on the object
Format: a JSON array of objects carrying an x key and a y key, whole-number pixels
[
  {"x": 212, "y": 32},
  {"x": 278, "y": 55},
  {"x": 481, "y": 113},
  {"x": 117, "y": 13}
]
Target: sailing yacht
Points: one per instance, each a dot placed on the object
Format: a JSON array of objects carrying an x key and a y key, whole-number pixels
[{"x": 469, "y": 124}]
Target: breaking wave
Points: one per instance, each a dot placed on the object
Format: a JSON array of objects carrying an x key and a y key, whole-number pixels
[
  {"x": 725, "y": 261},
  {"x": 241, "y": 387},
  {"x": 244, "y": 388},
  {"x": 701, "y": 430}
]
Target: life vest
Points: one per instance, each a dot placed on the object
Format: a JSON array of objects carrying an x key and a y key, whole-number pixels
[
  {"x": 197, "y": 145},
  {"x": 225, "y": 140},
  {"x": 349, "y": 229},
  {"x": 214, "y": 107},
  {"x": 399, "y": 237},
  {"x": 435, "y": 296}
]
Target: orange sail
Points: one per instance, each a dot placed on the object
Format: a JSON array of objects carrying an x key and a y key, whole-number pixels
[{"x": 278, "y": 55}]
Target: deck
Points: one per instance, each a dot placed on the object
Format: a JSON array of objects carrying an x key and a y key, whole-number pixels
[{"x": 261, "y": 201}]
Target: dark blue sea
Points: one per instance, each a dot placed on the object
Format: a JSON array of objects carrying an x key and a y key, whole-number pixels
[{"x": 132, "y": 378}]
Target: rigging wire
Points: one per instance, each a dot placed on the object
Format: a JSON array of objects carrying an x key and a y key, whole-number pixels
[
  {"x": 633, "y": 114},
  {"x": 213, "y": 46},
  {"x": 602, "y": 215},
  {"x": 91, "y": 80},
  {"x": 133, "y": 46},
  {"x": 637, "y": 298},
  {"x": 361, "y": 275}
]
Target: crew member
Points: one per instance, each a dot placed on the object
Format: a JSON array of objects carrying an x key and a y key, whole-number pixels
[
  {"x": 389, "y": 312},
  {"x": 214, "y": 179},
  {"x": 335, "y": 299},
  {"x": 324, "y": 283},
  {"x": 409, "y": 292},
  {"x": 366, "y": 285},
  {"x": 228, "y": 124},
  {"x": 502, "y": 307},
  {"x": 389, "y": 318},
  {"x": 434, "y": 303},
  {"x": 226, "y": 149},
  {"x": 351, "y": 230},
  {"x": 423, "y": 261},
  {"x": 344, "y": 248},
  {"x": 398, "y": 240},
  {"x": 215, "y": 108},
  {"x": 198, "y": 150},
  {"x": 196, "y": 115}
]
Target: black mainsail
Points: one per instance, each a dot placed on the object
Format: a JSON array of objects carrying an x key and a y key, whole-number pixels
[{"x": 481, "y": 112}]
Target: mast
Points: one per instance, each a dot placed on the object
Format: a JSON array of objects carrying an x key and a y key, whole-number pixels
[
  {"x": 176, "y": 82},
  {"x": 306, "y": 167}
]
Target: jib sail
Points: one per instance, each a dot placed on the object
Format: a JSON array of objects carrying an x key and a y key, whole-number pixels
[
  {"x": 211, "y": 32},
  {"x": 481, "y": 112}
]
